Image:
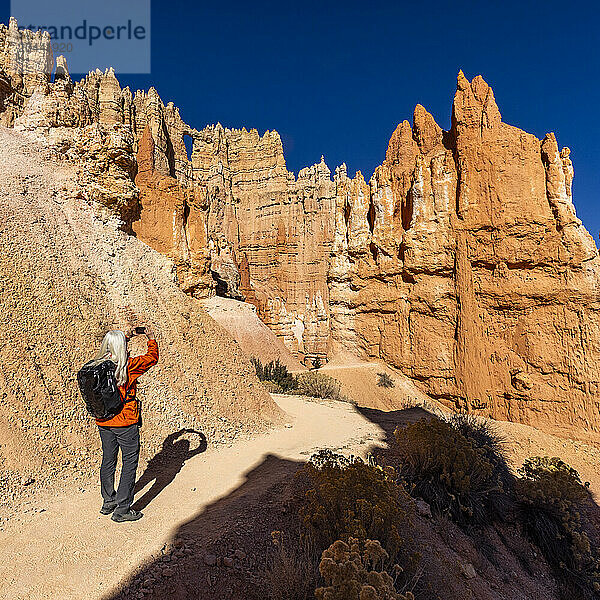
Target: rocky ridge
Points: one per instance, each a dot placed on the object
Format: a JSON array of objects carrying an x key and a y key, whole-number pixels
[{"x": 461, "y": 262}]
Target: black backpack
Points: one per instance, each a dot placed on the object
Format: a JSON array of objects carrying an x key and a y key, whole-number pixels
[{"x": 99, "y": 389}]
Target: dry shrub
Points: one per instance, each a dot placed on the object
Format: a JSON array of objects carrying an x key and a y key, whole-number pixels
[
  {"x": 354, "y": 571},
  {"x": 318, "y": 385},
  {"x": 272, "y": 387},
  {"x": 551, "y": 496},
  {"x": 447, "y": 470},
  {"x": 277, "y": 379},
  {"x": 486, "y": 437},
  {"x": 347, "y": 498},
  {"x": 292, "y": 573},
  {"x": 384, "y": 380}
]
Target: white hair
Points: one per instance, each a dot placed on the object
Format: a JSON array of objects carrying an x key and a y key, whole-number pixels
[{"x": 114, "y": 348}]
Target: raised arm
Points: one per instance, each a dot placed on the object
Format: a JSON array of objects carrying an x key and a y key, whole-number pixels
[{"x": 140, "y": 364}]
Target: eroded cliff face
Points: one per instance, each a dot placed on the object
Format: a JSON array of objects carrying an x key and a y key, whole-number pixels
[
  {"x": 25, "y": 65},
  {"x": 270, "y": 234},
  {"x": 461, "y": 261},
  {"x": 473, "y": 276},
  {"x": 93, "y": 121},
  {"x": 172, "y": 220}
]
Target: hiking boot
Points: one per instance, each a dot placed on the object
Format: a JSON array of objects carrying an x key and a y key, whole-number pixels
[
  {"x": 130, "y": 515},
  {"x": 108, "y": 508}
]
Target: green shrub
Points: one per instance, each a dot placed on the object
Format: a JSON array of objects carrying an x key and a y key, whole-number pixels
[
  {"x": 275, "y": 372},
  {"x": 384, "y": 380},
  {"x": 551, "y": 496},
  {"x": 447, "y": 470},
  {"x": 354, "y": 571},
  {"x": 346, "y": 498},
  {"x": 318, "y": 385}
]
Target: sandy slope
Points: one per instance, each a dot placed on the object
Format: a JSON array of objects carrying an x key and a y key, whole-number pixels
[
  {"x": 67, "y": 274},
  {"x": 253, "y": 336},
  {"x": 69, "y": 551},
  {"x": 359, "y": 382}
]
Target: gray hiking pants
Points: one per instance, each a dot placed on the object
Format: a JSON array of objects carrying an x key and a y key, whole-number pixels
[{"x": 128, "y": 439}]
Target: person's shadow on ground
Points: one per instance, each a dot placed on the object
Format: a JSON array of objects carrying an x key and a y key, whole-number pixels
[{"x": 164, "y": 466}]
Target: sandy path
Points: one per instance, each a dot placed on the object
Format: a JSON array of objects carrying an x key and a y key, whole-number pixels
[
  {"x": 356, "y": 365},
  {"x": 70, "y": 551}
]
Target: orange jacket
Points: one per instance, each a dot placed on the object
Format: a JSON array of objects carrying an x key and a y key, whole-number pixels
[{"x": 136, "y": 366}]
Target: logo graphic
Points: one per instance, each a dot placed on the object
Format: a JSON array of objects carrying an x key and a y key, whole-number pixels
[{"x": 92, "y": 35}]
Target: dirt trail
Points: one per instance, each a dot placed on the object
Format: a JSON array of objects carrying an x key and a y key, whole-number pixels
[{"x": 71, "y": 551}]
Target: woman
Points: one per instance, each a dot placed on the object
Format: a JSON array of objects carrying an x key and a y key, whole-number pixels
[{"x": 123, "y": 430}]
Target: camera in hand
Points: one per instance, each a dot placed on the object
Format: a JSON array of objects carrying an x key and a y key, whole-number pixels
[{"x": 140, "y": 330}]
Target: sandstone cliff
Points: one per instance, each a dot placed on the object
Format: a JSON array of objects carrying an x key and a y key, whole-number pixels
[
  {"x": 172, "y": 220},
  {"x": 461, "y": 262},
  {"x": 274, "y": 230},
  {"x": 473, "y": 276}
]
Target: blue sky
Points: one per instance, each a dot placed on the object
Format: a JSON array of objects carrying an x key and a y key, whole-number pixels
[{"x": 336, "y": 78}]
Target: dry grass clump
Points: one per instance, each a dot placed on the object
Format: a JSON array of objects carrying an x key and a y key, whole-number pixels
[
  {"x": 354, "y": 571},
  {"x": 318, "y": 385},
  {"x": 292, "y": 573},
  {"x": 384, "y": 380},
  {"x": 551, "y": 496},
  {"x": 451, "y": 472}
]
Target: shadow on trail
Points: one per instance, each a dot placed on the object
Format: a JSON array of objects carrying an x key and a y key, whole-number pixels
[
  {"x": 220, "y": 553},
  {"x": 391, "y": 420},
  {"x": 223, "y": 551},
  {"x": 164, "y": 466}
]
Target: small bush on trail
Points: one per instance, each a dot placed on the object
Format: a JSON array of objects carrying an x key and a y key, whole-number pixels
[
  {"x": 316, "y": 362},
  {"x": 354, "y": 571},
  {"x": 447, "y": 470},
  {"x": 384, "y": 380},
  {"x": 318, "y": 385},
  {"x": 275, "y": 372},
  {"x": 347, "y": 498},
  {"x": 551, "y": 495}
]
